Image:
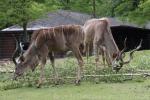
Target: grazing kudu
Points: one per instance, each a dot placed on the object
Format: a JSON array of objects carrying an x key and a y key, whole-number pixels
[
  {"x": 50, "y": 40},
  {"x": 98, "y": 33}
]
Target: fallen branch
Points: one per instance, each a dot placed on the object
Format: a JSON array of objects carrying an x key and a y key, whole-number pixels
[
  {"x": 144, "y": 71},
  {"x": 126, "y": 74},
  {"x": 108, "y": 75}
]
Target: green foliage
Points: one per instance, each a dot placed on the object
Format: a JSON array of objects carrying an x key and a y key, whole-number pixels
[
  {"x": 142, "y": 61},
  {"x": 26, "y": 10},
  {"x": 4, "y": 11},
  {"x": 18, "y": 11},
  {"x": 142, "y": 13},
  {"x": 82, "y": 6},
  {"x": 124, "y": 8}
]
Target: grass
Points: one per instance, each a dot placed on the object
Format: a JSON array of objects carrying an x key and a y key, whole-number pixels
[
  {"x": 102, "y": 88},
  {"x": 141, "y": 60},
  {"x": 86, "y": 91}
]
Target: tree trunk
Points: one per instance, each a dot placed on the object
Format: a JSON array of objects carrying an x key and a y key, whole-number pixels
[
  {"x": 68, "y": 1},
  {"x": 25, "y": 34},
  {"x": 135, "y": 4},
  {"x": 66, "y": 4},
  {"x": 94, "y": 9},
  {"x": 112, "y": 11}
]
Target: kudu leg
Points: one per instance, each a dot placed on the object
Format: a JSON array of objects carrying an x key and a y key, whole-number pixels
[
  {"x": 87, "y": 53},
  {"x": 51, "y": 56},
  {"x": 103, "y": 58},
  {"x": 43, "y": 58},
  {"x": 43, "y": 62},
  {"x": 108, "y": 58},
  {"x": 103, "y": 53},
  {"x": 77, "y": 54},
  {"x": 96, "y": 54}
]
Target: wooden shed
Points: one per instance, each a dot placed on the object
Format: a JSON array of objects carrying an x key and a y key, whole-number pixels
[
  {"x": 133, "y": 34},
  {"x": 7, "y": 45},
  {"x": 8, "y": 42}
]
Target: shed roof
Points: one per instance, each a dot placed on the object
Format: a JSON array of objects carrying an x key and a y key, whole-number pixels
[{"x": 62, "y": 17}]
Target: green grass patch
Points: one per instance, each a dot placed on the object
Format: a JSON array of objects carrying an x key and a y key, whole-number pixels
[
  {"x": 141, "y": 60},
  {"x": 86, "y": 91},
  {"x": 67, "y": 68}
]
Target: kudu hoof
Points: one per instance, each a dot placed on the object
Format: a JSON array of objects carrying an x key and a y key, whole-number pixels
[
  {"x": 56, "y": 82},
  {"x": 77, "y": 82},
  {"x": 38, "y": 85}
]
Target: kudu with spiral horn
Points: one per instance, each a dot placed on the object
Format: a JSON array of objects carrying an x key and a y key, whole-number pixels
[
  {"x": 98, "y": 33},
  {"x": 119, "y": 62}
]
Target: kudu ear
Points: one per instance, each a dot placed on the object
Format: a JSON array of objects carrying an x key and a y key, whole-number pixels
[{"x": 131, "y": 53}]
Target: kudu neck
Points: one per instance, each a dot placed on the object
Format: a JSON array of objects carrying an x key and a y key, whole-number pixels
[{"x": 111, "y": 47}]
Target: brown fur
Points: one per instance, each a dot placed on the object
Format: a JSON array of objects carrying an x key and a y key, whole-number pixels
[
  {"x": 98, "y": 33},
  {"x": 50, "y": 40}
]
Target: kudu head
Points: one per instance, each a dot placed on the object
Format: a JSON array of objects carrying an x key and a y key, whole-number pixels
[
  {"x": 19, "y": 68},
  {"x": 118, "y": 62},
  {"x": 24, "y": 64}
]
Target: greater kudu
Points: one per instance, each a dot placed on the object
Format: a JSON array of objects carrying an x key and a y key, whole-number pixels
[
  {"x": 98, "y": 33},
  {"x": 52, "y": 40}
]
